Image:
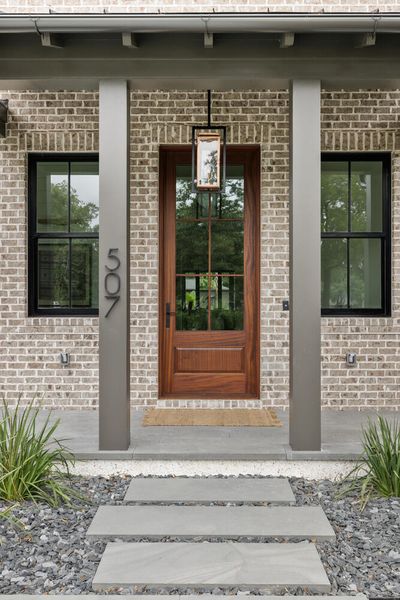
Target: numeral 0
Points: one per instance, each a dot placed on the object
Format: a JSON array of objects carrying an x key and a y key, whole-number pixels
[{"x": 112, "y": 280}]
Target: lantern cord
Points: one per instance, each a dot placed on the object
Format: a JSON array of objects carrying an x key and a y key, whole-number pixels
[{"x": 209, "y": 107}]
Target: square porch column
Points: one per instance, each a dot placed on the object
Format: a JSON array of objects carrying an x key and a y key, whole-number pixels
[
  {"x": 114, "y": 398},
  {"x": 305, "y": 266}
]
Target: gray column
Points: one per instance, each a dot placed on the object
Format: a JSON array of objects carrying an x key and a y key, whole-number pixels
[
  {"x": 114, "y": 409},
  {"x": 305, "y": 269}
]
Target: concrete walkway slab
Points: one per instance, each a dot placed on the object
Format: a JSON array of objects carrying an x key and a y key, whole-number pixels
[
  {"x": 157, "y": 522},
  {"x": 268, "y": 566},
  {"x": 341, "y": 436},
  {"x": 211, "y": 489}
]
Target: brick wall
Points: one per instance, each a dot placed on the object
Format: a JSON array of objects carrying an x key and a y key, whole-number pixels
[
  {"x": 148, "y": 6},
  {"x": 30, "y": 347},
  {"x": 67, "y": 121},
  {"x": 362, "y": 121}
]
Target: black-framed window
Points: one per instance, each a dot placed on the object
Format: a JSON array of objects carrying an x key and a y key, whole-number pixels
[
  {"x": 355, "y": 232},
  {"x": 63, "y": 208}
]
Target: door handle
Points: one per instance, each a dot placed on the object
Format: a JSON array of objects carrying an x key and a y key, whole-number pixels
[{"x": 168, "y": 315}]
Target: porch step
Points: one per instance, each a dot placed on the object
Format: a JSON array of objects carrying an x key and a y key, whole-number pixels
[
  {"x": 167, "y": 565},
  {"x": 127, "y": 522},
  {"x": 210, "y": 489}
]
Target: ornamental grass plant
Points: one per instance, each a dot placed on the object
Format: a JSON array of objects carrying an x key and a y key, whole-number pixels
[
  {"x": 33, "y": 464},
  {"x": 377, "y": 472}
]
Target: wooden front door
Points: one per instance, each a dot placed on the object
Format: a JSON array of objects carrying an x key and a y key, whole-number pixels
[{"x": 209, "y": 279}]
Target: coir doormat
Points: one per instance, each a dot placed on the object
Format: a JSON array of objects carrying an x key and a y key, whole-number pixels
[{"x": 213, "y": 417}]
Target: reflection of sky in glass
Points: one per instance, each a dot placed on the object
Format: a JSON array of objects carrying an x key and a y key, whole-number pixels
[{"x": 57, "y": 179}]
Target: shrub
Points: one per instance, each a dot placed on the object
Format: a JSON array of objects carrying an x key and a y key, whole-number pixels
[
  {"x": 33, "y": 465},
  {"x": 377, "y": 472}
]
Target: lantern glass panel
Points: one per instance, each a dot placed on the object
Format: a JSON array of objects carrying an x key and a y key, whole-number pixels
[{"x": 208, "y": 161}]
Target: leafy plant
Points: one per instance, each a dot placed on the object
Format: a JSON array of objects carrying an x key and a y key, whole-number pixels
[
  {"x": 6, "y": 514},
  {"x": 377, "y": 472},
  {"x": 33, "y": 465}
]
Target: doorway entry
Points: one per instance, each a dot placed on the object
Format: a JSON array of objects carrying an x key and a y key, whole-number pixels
[{"x": 209, "y": 279}]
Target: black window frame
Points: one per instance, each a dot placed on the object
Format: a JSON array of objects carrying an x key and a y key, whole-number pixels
[
  {"x": 385, "y": 235},
  {"x": 34, "y": 235}
]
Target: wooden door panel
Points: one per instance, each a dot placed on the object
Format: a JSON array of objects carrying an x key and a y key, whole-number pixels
[
  {"x": 209, "y": 360},
  {"x": 201, "y": 384},
  {"x": 209, "y": 279}
]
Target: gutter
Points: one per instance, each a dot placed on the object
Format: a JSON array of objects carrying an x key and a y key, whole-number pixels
[{"x": 202, "y": 22}]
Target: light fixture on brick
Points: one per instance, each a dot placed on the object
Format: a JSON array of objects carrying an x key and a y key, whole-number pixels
[{"x": 208, "y": 155}]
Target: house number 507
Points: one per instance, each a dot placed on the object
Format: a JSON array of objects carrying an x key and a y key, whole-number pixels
[{"x": 112, "y": 280}]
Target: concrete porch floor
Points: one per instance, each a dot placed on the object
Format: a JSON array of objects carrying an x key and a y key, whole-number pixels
[{"x": 341, "y": 435}]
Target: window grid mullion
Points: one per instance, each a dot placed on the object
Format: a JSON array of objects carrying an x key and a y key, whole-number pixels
[
  {"x": 61, "y": 235},
  {"x": 348, "y": 273},
  {"x": 69, "y": 240},
  {"x": 70, "y": 272},
  {"x": 353, "y": 234},
  {"x": 349, "y": 225}
]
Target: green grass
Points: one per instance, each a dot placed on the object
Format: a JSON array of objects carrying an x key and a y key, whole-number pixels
[
  {"x": 33, "y": 464},
  {"x": 377, "y": 473}
]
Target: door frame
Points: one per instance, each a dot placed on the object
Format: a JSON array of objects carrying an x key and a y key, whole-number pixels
[{"x": 164, "y": 150}]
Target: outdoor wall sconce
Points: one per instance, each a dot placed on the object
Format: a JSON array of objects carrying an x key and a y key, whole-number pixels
[
  {"x": 208, "y": 155},
  {"x": 351, "y": 359},
  {"x": 64, "y": 359},
  {"x": 3, "y": 117}
]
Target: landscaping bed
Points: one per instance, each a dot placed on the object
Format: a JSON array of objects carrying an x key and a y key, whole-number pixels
[{"x": 52, "y": 555}]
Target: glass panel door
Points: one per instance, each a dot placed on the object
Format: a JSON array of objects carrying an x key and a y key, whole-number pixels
[{"x": 209, "y": 254}]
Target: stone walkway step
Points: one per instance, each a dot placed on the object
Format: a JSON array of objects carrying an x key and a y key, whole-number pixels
[
  {"x": 210, "y": 489},
  {"x": 168, "y": 597},
  {"x": 155, "y": 522},
  {"x": 164, "y": 565}
]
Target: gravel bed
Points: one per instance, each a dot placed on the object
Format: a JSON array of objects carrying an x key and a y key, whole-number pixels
[{"x": 51, "y": 555}]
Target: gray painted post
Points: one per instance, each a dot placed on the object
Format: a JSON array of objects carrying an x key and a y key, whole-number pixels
[
  {"x": 305, "y": 269},
  {"x": 114, "y": 409}
]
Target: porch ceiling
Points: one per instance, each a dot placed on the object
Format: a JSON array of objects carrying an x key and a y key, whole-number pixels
[{"x": 169, "y": 51}]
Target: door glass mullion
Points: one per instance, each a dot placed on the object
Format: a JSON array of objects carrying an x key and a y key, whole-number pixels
[{"x": 209, "y": 264}]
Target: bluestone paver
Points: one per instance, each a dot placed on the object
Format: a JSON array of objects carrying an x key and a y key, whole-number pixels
[
  {"x": 165, "y": 565},
  {"x": 210, "y": 489},
  {"x": 297, "y": 522}
]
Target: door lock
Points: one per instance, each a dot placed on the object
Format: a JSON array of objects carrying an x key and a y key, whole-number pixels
[{"x": 168, "y": 315}]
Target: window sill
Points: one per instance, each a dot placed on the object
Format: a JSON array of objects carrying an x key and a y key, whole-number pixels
[{"x": 63, "y": 313}]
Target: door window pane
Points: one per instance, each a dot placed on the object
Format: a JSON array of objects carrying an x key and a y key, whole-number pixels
[
  {"x": 191, "y": 247},
  {"x": 334, "y": 273},
  {"x": 366, "y": 196},
  {"x": 227, "y": 247},
  {"x": 365, "y": 273},
  {"x": 226, "y": 303},
  {"x": 231, "y": 202},
  {"x": 85, "y": 273},
  {"x": 191, "y": 303},
  {"x": 52, "y": 196},
  {"x": 334, "y": 196},
  {"x": 84, "y": 196},
  {"x": 189, "y": 204},
  {"x": 209, "y": 223},
  {"x": 53, "y": 273}
]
